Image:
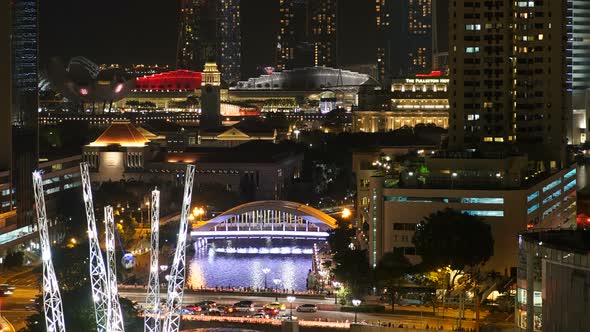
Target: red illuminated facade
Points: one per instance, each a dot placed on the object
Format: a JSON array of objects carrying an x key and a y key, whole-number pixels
[
  {"x": 434, "y": 73},
  {"x": 178, "y": 80}
]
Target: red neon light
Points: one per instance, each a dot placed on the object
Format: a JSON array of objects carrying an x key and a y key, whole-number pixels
[
  {"x": 434, "y": 73},
  {"x": 178, "y": 80},
  {"x": 84, "y": 91}
]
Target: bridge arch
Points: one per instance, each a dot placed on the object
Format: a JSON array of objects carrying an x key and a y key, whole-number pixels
[{"x": 267, "y": 219}]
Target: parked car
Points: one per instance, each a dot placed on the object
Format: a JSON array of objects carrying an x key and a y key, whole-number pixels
[
  {"x": 259, "y": 315},
  {"x": 307, "y": 308},
  {"x": 206, "y": 305},
  {"x": 286, "y": 317}
]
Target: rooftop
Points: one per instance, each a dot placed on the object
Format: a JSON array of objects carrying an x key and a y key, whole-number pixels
[
  {"x": 566, "y": 240},
  {"x": 121, "y": 133}
]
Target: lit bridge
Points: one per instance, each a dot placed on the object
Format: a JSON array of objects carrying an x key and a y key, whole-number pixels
[{"x": 267, "y": 219}]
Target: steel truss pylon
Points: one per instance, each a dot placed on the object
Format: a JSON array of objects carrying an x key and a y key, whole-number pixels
[
  {"x": 114, "y": 315},
  {"x": 177, "y": 272},
  {"x": 52, "y": 304},
  {"x": 152, "y": 312},
  {"x": 98, "y": 276}
]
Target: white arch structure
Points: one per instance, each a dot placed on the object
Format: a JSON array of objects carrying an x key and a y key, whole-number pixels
[{"x": 276, "y": 219}]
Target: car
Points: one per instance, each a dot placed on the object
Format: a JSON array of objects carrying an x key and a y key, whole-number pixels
[
  {"x": 307, "y": 308},
  {"x": 286, "y": 317},
  {"x": 225, "y": 309},
  {"x": 259, "y": 315},
  {"x": 270, "y": 311},
  {"x": 244, "y": 306},
  {"x": 205, "y": 305},
  {"x": 278, "y": 305},
  {"x": 193, "y": 309},
  {"x": 7, "y": 286}
]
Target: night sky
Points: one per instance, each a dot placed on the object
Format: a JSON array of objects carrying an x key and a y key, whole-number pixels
[{"x": 136, "y": 31}]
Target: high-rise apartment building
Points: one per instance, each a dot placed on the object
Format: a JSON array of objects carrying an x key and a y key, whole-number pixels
[
  {"x": 323, "y": 18},
  {"x": 189, "y": 53},
  {"x": 229, "y": 40},
  {"x": 24, "y": 108},
  {"x": 210, "y": 31},
  {"x": 509, "y": 77},
  {"x": 581, "y": 43}
]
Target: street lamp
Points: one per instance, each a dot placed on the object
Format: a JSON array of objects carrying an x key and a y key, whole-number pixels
[
  {"x": 266, "y": 270},
  {"x": 346, "y": 213},
  {"x": 336, "y": 289},
  {"x": 356, "y": 303},
  {"x": 296, "y": 132},
  {"x": 291, "y": 299}
]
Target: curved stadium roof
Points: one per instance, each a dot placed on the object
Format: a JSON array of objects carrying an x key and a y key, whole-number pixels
[{"x": 310, "y": 78}]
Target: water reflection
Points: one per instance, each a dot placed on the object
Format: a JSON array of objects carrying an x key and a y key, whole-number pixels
[{"x": 213, "y": 268}]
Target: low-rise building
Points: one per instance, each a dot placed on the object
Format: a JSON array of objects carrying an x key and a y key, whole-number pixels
[
  {"x": 497, "y": 188},
  {"x": 257, "y": 170}
]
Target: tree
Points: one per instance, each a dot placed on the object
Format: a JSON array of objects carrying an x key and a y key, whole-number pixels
[
  {"x": 454, "y": 239},
  {"x": 354, "y": 269},
  {"x": 390, "y": 273},
  {"x": 341, "y": 237},
  {"x": 449, "y": 239}
]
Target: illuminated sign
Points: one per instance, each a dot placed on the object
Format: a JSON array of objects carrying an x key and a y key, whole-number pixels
[{"x": 427, "y": 80}]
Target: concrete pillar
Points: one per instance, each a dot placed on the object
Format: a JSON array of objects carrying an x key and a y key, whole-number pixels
[{"x": 290, "y": 326}]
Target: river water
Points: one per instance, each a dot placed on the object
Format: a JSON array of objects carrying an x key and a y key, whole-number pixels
[{"x": 241, "y": 264}]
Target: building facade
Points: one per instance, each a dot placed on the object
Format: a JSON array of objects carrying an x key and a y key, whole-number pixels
[
  {"x": 24, "y": 109},
  {"x": 522, "y": 47},
  {"x": 495, "y": 189},
  {"x": 323, "y": 18},
  {"x": 553, "y": 281},
  {"x": 189, "y": 54},
  {"x": 230, "y": 41},
  {"x": 413, "y": 101},
  {"x": 410, "y": 50}
]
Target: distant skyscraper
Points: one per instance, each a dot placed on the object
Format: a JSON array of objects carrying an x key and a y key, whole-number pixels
[
  {"x": 230, "y": 40},
  {"x": 510, "y": 77},
  {"x": 324, "y": 32},
  {"x": 383, "y": 24},
  {"x": 5, "y": 91},
  {"x": 189, "y": 53},
  {"x": 293, "y": 46},
  {"x": 405, "y": 38},
  {"x": 287, "y": 38},
  {"x": 24, "y": 109}
]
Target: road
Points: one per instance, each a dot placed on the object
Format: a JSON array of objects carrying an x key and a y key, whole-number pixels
[{"x": 330, "y": 313}]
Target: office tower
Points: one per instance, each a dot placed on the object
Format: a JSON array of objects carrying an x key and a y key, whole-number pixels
[
  {"x": 24, "y": 108},
  {"x": 229, "y": 40},
  {"x": 410, "y": 37},
  {"x": 210, "y": 97},
  {"x": 324, "y": 32},
  {"x": 383, "y": 24},
  {"x": 287, "y": 35},
  {"x": 189, "y": 55},
  {"x": 5, "y": 91},
  {"x": 509, "y": 80}
]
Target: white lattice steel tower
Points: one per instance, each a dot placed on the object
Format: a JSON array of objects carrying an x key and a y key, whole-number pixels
[
  {"x": 52, "y": 305},
  {"x": 98, "y": 276},
  {"x": 114, "y": 315},
  {"x": 152, "y": 317},
  {"x": 177, "y": 272}
]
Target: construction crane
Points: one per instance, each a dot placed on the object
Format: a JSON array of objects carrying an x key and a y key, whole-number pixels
[
  {"x": 98, "y": 276},
  {"x": 114, "y": 315},
  {"x": 52, "y": 304},
  {"x": 178, "y": 269},
  {"x": 152, "y": 312}
]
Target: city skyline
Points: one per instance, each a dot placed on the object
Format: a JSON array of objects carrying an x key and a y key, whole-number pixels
[{"x": 137, "y": 27}]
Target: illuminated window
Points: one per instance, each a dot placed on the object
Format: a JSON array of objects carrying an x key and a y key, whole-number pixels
[
  {"x": 551, "y": 185},
  {"x": 570, "y": 173},
  {"x": 484, "y": 213},
  {"x": 488, "y": 139},
  {"x": 570, "y": 185},
  {"x": 533, "y": 208},
  {"x": 532, "y": 196}
]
